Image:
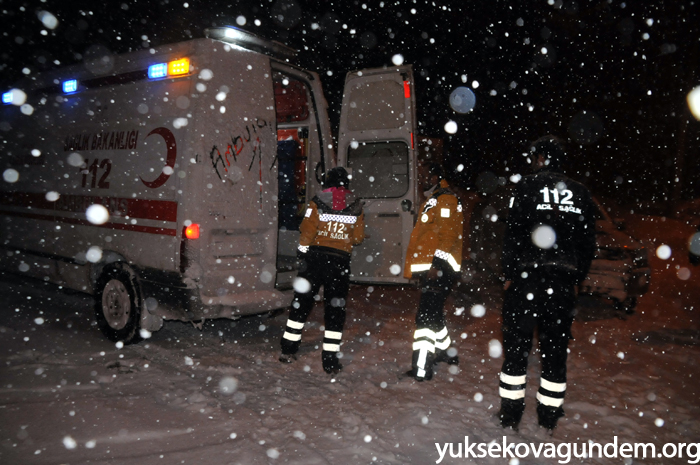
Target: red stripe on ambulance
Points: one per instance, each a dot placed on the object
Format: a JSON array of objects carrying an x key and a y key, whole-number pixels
[
  {"x": 109, "y": 225},
  {"x": 146, "y": 209}
]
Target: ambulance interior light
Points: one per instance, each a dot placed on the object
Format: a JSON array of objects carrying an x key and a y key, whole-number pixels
[
  {"x": 70, "y": 86},
  {"x": 234, "y": 34},
  {"x": 250, "y": 41}
]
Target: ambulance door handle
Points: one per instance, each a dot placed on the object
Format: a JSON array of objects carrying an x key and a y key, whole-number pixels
[
  {"x": 406, "y": 205},
  {"x": 318, "y": 175}
]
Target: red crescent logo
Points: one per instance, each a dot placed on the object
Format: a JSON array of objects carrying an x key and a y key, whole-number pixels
[{"x": 169, "y": 139}]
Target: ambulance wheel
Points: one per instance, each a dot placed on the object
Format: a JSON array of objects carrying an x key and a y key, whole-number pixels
[{"x": 118, "y": 304}]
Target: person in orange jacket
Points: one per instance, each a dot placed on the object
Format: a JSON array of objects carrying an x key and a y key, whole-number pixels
[
  {"x": 333, "y": 224},
  {"x": 434, "y": 257}
]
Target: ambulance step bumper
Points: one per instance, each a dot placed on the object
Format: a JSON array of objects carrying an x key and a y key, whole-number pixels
[{"x": 248, "y": 303}]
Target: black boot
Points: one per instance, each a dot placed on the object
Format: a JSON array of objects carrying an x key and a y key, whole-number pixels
[
  {"x": 548, "y": 416},
  {"x": 289, "y": 347},
  {"x": 441, "y": 356},
  {"x": 287, "y": 358},
  {"x": 331, "y": 364},
  {"x": 511, "y": 412},
  {"x": 289, "y": 350}
]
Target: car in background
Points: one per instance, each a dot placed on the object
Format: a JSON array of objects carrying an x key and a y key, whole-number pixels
[
  {"x": 619, "y": 272},
  {"x": 689, "y": 212}
]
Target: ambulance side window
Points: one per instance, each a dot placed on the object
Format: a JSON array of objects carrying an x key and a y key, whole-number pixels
[
  {"x": 291, "y": 101},
  {"x": 379, "y": 169}
]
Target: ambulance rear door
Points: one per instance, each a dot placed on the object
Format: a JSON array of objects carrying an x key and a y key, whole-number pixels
[{"x": 376, "y": 144}]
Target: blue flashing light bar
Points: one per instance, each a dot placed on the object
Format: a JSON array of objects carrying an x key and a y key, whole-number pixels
[
  {"x": 157, "y": 71},
  {"x": 7, "y": 97},
  {"x": 70, "y": 86}
]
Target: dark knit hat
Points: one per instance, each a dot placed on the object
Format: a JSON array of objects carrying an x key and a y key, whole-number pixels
[
  {"x": 551, "y": 148},
  {"x": 336, "y": 177},
  {"x": 435, "y": 169}
]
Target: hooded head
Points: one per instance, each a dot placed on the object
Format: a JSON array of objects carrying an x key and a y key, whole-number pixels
[
  {"x": 436, "y": 169},
  {"x": 431, "y": 176},
  {"x": 547, "y": 153},
  {"x": 336, "y": 177},
  {"x": 336, "y": 183}
]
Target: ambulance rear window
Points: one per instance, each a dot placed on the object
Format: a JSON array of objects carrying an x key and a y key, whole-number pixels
[
  {"x": 291, "y": 100},
  {"x": 379, "y": 170}
]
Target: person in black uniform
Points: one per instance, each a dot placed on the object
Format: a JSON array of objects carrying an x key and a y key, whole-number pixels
[{"x": 547, "y": 250}]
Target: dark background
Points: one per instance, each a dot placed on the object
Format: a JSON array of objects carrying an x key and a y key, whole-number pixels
[{"x": 612, "y": 83}]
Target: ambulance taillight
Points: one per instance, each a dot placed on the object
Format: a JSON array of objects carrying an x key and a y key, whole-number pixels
[{"x": 192, "y": 231}]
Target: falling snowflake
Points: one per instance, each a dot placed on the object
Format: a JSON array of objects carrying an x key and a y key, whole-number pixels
[
  {"x": 97, "y": 214},
  {"x": 544, "y": 237}
]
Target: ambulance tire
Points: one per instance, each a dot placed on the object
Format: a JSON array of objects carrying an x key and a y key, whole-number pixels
[{"x": 118, "y": 304}]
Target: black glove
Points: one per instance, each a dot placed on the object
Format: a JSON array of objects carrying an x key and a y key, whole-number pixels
[{"x": 301, "y": 261}]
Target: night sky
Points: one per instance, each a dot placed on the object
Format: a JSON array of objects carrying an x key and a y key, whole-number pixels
[{"x": 610, "y": 77}]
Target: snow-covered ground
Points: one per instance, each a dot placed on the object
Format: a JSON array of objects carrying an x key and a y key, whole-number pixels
[{"x": 219, "y": 396}]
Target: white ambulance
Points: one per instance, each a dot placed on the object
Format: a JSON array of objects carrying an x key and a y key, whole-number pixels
[{"x": 169, "y": 182}]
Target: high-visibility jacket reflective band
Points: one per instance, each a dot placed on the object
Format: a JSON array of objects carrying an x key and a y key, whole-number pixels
[{"x": 448, "y": 258}]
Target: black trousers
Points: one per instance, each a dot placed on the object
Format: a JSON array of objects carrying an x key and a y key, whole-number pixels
[
  {"x": 332, "y": 271},
  {"x": 544, "y": 299},
  {"x": 434, "y": 293},
  {"x": 431, "y": 328}
]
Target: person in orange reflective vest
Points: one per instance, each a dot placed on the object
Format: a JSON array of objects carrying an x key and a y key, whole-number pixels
[
  {"x": 333, "y": 224},
  {"x": 434, "y": 257}
]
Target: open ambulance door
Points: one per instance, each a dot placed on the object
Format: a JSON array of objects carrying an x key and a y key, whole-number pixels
[
  {"x": 303, "y": 140},
  {"x": 376, "y": 144}
]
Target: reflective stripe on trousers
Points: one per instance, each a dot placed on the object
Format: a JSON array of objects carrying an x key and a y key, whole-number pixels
[
  {"x": 331, "y": 341},
  {"x": 442, "y": 339},
  {"x": 512, "y": 387},
  {"x": 423, "y": 342},
  {"x": 551, "y": 394},
  {"x": 293, "y": 330}
]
